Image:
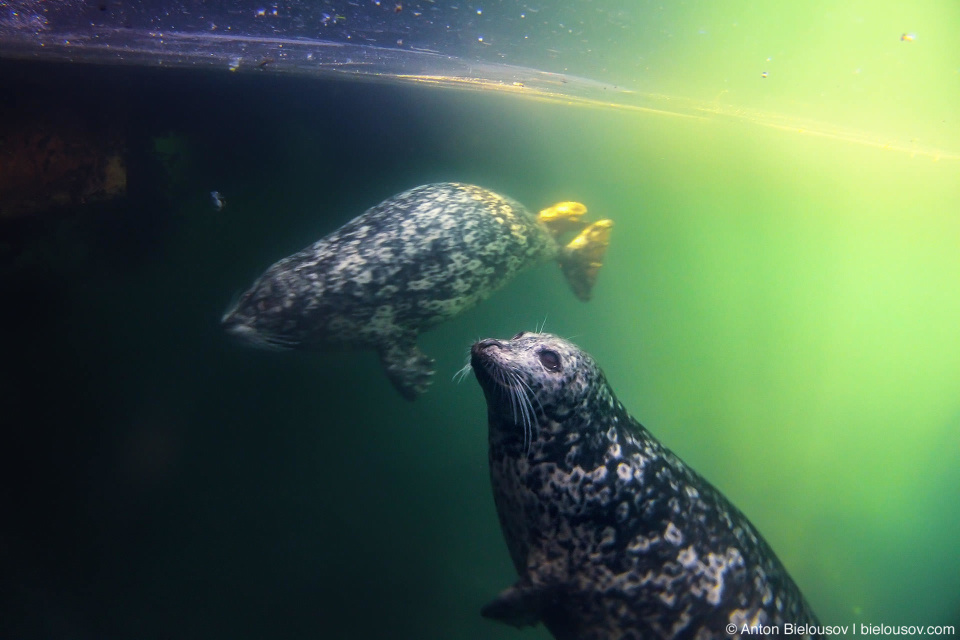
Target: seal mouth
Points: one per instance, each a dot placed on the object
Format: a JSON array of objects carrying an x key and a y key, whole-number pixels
[
  {"x": 485, "y": 365},
  {"x": 241, "y": 329}
]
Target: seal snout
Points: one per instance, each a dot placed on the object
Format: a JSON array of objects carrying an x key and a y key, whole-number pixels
[
  {"x": 244, "y": 329},
  {"x": 237, "y": 327},
  {"x": 233, "y": 322},
  {"x": 483, "y": 345},
  {"x": 483, "y": 359},
  {"x": 482, "y": 351}
]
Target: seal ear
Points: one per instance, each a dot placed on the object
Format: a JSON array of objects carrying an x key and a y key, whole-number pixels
[
  {"x": 409, "y": 370},
  {"x": 582, "y": 258}
]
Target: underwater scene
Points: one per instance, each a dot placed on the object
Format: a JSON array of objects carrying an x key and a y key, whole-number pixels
[{"x": 758, "y": 244}]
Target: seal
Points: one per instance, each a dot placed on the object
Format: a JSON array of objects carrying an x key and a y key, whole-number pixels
[
  {"x": 612, "y": 535},
  {"x": 407, "y": 264}
]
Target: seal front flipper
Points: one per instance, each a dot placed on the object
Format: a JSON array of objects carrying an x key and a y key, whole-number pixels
[
  {"x": 409, "y": 369},
  {"x": 524, "y": 605},
  {"x": 519, "y": 605}
]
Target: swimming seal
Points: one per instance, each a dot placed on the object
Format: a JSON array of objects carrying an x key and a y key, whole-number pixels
[
  {"x": 407, "y": 264},
  {"x": 613, "y": 536}
]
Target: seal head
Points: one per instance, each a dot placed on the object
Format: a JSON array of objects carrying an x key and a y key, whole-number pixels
[{"x": 612, "y": 535}]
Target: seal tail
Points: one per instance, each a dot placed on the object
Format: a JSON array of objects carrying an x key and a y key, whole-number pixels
[{"x": 582, "y": 258}]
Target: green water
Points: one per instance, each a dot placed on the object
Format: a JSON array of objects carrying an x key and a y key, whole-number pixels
[
  {"x": 778, "y": 306},
  {"x": 782, "y": 311}
]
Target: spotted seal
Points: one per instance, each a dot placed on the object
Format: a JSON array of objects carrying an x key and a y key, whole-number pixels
[
  {"x": 407, "y": 264},
  {"x": 613, "y": 536}
]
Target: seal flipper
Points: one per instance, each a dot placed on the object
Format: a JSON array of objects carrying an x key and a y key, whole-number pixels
[
  {"x": 409, "y": 369},
  {"x": 519, "y": 605},
  {"x": 563, "y": 217},
  {"x": 582, "y": 258},
  {"x": 526, "y": 605}
]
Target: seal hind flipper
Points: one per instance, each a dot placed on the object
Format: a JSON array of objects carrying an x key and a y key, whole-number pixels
[
  {"x": 563, "y": 217},
  {"x": 409, "y": 369},
  {"x": 582, "y": 258}
]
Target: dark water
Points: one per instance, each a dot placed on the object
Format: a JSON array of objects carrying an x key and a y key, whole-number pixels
[{"x": 161, "y": 481}]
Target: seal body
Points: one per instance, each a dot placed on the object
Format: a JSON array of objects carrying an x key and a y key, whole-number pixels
[
  {"x": 405, "y": 265},
  {"x": 613, "y": 536}
]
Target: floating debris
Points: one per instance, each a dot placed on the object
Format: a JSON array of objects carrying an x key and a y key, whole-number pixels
[{"x": 219, "y": 202}]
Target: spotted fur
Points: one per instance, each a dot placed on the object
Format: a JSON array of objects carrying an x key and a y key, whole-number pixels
[
  {"x": 402, "y": 267},
  {"x": 613, "y": 536}
]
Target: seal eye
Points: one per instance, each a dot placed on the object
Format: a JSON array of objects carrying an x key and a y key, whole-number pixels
[
  {"x": 519, "y": 335},
  {"x": 550, "y": 360}
]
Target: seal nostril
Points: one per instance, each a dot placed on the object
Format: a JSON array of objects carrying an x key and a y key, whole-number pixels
[{"x": 489, "y": 342}]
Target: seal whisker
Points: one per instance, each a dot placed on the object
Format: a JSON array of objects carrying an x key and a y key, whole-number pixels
[
  {"x": 262, "y": 340},
  {"x": 463, "y": 372},
  {"x": 519, "y": 406},
  {"x": 512, "y": 391},
  {"x": 543, "y": 325},
  {"x": 530, "y": 394},
  {"x": 503, "y": 386},
  {"x": 508, "y": 384},
  {"x": 232, "y": 307},
  {"x": 518, "y": 403},
  {"x": 280, "y": 342},
  {"x": 529, "y": 423},
  {"x": 518, "y": 399}
]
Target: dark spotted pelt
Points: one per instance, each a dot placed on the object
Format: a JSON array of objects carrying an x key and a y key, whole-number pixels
[{"x": 405, "y": 265}]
